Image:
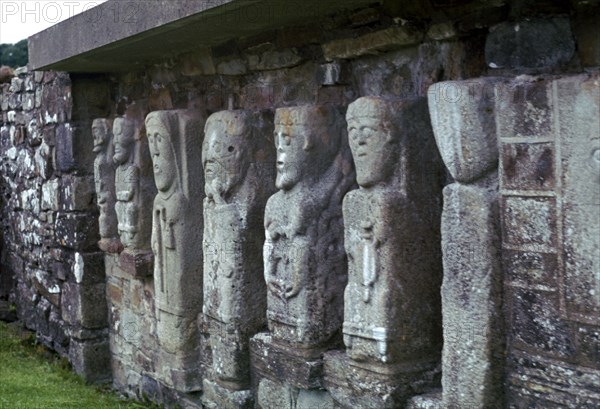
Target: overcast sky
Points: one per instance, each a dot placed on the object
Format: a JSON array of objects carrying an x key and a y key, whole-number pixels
[{"x": 20, "y": 19}]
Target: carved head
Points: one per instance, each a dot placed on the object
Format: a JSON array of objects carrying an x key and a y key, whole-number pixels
[
  {"x": 462, "y": 116},
  {"x": 229, "y": 144},
  {"x": 374, "y": 134},
  {"x": 307, "y": 139},
  {"x": 124, "y": 138},
  {"x": 101, "y": 133},
  {"x": 171, "y": 138},
  {"x": 160, "y": 137}
]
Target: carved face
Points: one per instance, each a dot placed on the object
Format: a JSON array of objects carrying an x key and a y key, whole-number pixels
[
  {"x": 292, "y": 158},
  {"x": 163, "y": 157},
  {"x": 224, "y": 160},
  {"x": 100, "y": 133},
  {"x": 123, "y": 141},
  {"x": 373, "y": 150}
]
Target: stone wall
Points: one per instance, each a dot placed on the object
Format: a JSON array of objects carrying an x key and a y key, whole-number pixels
[
  {"x": 527, "y": 82},
  {"x": 51, "y": 267}
]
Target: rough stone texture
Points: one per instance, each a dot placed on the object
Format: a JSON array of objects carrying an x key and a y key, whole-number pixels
[
  {"x": 272, "y": 361},
  {"x": 237, "y": 153},
  {"x": 49, "y": 267},
  {"x": 305, "y": 264},
  {"x": 465, "y": 132},
  {"x": 104, "y": 176},
  {"x": 273, "y": 394},
  {"x": 372, "y": 43},
  {"x": 535, "y": 43},
  {"x": 550, "y": 205},
  {"x": 46, "y": 148},
  {"x": 354, "y": 387},
  {"x": 175, "y": 139},
  {"x": 431, "y": 400},
  {"x": 218, "y": 397},
  {"x": 391, "y": 142},
  {"x": 134, "y": 188}
]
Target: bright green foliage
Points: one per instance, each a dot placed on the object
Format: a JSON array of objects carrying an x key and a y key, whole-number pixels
[{"x": 33, "y": 378}]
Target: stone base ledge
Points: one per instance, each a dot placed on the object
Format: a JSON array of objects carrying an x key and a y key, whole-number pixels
[
  {"x": 355, "y": 387},
  {"x": 218, "y": 397},
  {"x": 273, "y": 361}
]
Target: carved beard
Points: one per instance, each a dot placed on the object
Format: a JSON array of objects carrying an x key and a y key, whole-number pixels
[
  {"x": 224, "y": 186},
  {"x": 120, "y": 158}
]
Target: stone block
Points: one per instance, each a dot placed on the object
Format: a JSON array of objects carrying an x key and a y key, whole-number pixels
[
  {"x": 578, "y": 103},
  {"x": 524, "y": 109},
  {"x": 91, "y": 360},
  {"x": 462, "y": 117},
  {"x": 217, "y": 397},
  {"x": 354, "y": 387},
  {"x": 84, "y": 305},
  {"x": 372, "y": 43},
  {"x": 587, "y": 34},
  {"x": 235, "y": 66},
  {"x": 199, "y": 62},
  {"x": 535, "y": 380},
  {"x": 274, "y": 59},
  {"x": 536, "y": 323},
  {"x": 273, "y": 394},
  {"x": 333, "y": 73},
  {"x": 16, "y": 85},
  {"x": 278, "y": 363},
  {"x": 88, "y": 268},
  {"x": 77, "y": 193},
  {"x": 137, "y": 263},
  {"x": 442, "y": 31},
  {"x": 530, "y": 222},
  {"x": 534, "y": 43},
  {"x": 314, "y": 399},
  {"x": 530, "y": 268},
  {"x": 64, "y": 159},
  {"x": 431, "y": 400},
  {"x": 76, "y": 231},
  {"x": 528, "y": 166},
  {"x": 47, "y": 286},
  {"x": 472, "y": 298}
]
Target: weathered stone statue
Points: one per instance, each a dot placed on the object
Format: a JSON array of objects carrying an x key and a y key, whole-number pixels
[
  {"x": 134, "y": 189},
  {"x": 237, "y": 148},
  {"x": 175, "y": 139},
  {"x": 465, "y": 132},
  {"x": 391, "y": 313},
  {"x": 305, "y": 263},
  {"x": 104, "y": 175}
]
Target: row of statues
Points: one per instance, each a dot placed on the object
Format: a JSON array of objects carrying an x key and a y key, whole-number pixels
[{"x": 299, "y": 221}]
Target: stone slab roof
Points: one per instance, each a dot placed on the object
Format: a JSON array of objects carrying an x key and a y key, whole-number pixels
[{"x": 122, "y": 35}]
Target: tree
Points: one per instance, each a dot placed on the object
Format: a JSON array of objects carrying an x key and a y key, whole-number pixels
[{"x": 14, "y": 55}]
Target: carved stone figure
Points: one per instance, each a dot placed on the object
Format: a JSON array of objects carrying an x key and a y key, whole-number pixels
[
  {"x": 104, "y": 176},
  {"x": 237, "y": 154},
  {"x": 175, "y": 139},
  {"x": 465, "y": 132},
  {"x": 305, "y": 263},
  {"x": 134, "y": 189},
  {"x": 392, "y": 306}
]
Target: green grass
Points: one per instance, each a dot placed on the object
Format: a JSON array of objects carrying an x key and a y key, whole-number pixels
[{"x": 33, "y": 378}]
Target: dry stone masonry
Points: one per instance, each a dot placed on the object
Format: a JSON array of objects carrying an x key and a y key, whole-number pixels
[{"x": 343, "y": 204}]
